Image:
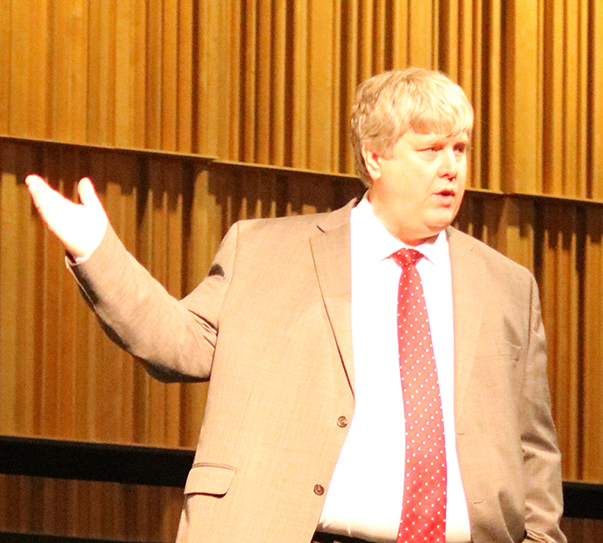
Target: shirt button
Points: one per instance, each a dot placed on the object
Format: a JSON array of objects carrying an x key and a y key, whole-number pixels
[
  {"x": 342, "y": 422},
  {"x": 319, "y": 490}
]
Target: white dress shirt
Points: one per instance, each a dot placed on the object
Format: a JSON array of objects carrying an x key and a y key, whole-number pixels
[{"x": 365, "y": 496}]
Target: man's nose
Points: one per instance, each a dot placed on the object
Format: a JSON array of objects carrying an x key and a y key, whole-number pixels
[{"x": 449, "y": 163}]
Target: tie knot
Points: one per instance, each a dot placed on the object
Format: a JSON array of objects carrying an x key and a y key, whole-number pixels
[{"x": 407, "y": 257}]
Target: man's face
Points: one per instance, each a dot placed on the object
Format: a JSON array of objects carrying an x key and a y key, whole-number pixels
[{"x": 417, "y": 193}]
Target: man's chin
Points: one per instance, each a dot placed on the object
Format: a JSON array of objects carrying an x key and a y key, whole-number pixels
[{"x": 436, "y": 227}]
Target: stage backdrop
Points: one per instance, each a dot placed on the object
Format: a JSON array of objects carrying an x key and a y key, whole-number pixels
[{"x": 190, "y": 114}]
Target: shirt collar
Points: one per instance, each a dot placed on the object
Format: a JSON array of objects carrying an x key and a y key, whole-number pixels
[{"x": 377, "y": 244}]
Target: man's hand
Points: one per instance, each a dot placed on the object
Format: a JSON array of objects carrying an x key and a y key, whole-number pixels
[{"x": 80, "y": 227}]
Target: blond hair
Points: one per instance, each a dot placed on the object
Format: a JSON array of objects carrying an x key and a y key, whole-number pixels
[{"x": 390, "y": 103}]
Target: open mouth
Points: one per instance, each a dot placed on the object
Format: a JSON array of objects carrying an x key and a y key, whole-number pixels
[
  {"x": 446, "y": 193},
  {"x": 446, "y": 198}
]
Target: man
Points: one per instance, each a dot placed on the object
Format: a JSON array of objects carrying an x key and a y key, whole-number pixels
[{"x": 325, "y": 417}]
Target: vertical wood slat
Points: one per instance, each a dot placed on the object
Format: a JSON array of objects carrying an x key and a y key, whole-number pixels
[
  {"x": 582, "y": 130},
  {"x": 365, "y": 42},
  {"x": 107, "y": 81},
  {"x": 250, "y": 67},
  {"x": 521, "y": 100},
  {"x": 279, "y": 128},
  {"x": 125, "y": 74},
  {"x": 233, "y": 80},
  {"x": 351, "y": 70},
  {"x": 216, "y": 96},
  {"x": 5, "y": 66},
  {"x": 593, "y": 347},
  {"x": 169, "y": 76},
  {"x": 379, "y": 32},
  {"x": 554, "y": 97},
  {"x": 449, "y": 38},
  {"x": 492, "y": 133},
  {"x": 339, "y": 125},
  {"x": 184, "y": 75},
  {"x": 154, "y": 77},
  {"x": 595, "y": 85},
  {"x": 299, "y": 154},
  {"x": 572, "y": 95},
  {"x": 264, "y": 83},
  {"x": 139, "y": 63},
  {"x": 320, "y": 92},
  {"x": 471, "y": 78}
]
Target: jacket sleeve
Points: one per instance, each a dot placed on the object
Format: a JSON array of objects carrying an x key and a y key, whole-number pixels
[
  {"x": 174, "y": 339},
  {"x": 541, "y": 457}
]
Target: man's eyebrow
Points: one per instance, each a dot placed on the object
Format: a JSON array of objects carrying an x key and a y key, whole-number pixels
[{"x": 434, "y": 139}]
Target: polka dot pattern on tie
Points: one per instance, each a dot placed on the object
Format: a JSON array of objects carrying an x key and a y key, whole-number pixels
[{"x": 423, "y": 518}]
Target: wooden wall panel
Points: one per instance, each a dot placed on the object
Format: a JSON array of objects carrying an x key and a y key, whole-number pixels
[
  {"x": 172, "y": 213},
  {"x": 272, "y": 82},
  {"x": 88, "y": 509},
  {"x": 71, "y": 382}
]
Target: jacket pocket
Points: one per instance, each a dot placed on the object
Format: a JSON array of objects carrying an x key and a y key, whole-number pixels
[{"x": 210, "y": 479}]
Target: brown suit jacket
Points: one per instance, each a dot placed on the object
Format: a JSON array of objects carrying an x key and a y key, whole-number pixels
[{"x": 271, "y": 325}]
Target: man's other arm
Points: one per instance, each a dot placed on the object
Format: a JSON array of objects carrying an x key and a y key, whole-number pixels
[{"x": 542, "y": 460}]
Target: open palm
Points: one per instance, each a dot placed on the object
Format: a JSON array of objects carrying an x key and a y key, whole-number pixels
[{"x": 80, "y": 227}]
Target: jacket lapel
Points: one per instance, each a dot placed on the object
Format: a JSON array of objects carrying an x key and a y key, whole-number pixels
[
  {"x": 468, "y": 300},
  {"x": 331, "y": 252}
]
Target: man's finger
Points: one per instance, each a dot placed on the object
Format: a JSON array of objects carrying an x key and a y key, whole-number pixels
[
  {"x": 87, "y": 194},
  {"x": 38, "y": 189}
]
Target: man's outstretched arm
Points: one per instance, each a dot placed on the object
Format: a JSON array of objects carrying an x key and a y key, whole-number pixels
[{"x": 174, "y": 341}]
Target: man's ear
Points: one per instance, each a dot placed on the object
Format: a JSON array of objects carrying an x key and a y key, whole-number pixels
[{"x": 371, "y": 162}]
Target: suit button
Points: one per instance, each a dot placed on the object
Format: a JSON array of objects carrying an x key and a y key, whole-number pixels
[
  {"x": 342, "y": 422},
  {"x": 319, "y": 490}
]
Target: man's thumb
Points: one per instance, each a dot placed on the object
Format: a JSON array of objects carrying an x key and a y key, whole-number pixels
[{"x": 88, "y": 196}]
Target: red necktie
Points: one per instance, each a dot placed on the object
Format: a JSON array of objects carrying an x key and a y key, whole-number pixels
[{"x": 423, "y": 517}]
